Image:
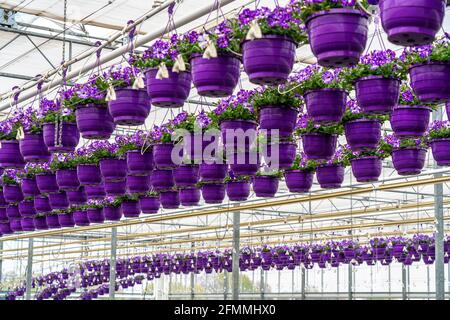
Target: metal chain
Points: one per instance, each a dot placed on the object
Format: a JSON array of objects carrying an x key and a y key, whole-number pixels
[{"x": 64, "y": 33}]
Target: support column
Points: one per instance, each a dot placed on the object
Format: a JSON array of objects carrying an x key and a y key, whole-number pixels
[
  {"x": 225, "y": 285},
  {"x": 192, "y": 275},
  {"x": 337, "y": 281},
  {"x": 236, "y": 250},
  {"x": 389, "y": 280},
  {"x": 303, "y": 271},
  {"x": 262, "y": 284},
  {"x": 350, "y": 281},
  {"x": 404, "y": 280},
  {"x": 1, "y": 262},
  {"x": 29, "y": 269},
  {"x": 112, "y": 265}
]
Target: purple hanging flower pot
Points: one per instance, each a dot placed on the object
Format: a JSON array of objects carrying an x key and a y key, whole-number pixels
[
  {"x": 112, "y": 213},
  {"x": 269, "y": 60},
  {"x": 115, "y": 188},
  {"x": 3, "y": 215},
  {"x": 186, "y": 175},
  {"x": 319, "y": 146},
  {"x": 284, "y": 157},
  {"x": 53, "y": 221},
  {"x": 29, "y": 187},
  {"x": 113, "y": 169},
  {"x": 338, "y": 37},
  {"x": 412, "y": 23},
  {"x": 431, "y": 81},
  {"x": 162, "y": 156},
  {"x": 131, "y": 107},
  {"x": 149, "y": 205},
  {"x": 215, "y": 77},
  {"x": 326, "y": 105},
  {"x": 81, "y": 218},
  {"x": 189, "y": 196},
  {"x": 213, "y": 193},
  {"x": 67, "y": 179},
  {"x": 27, "y": 224},
  {"x": 95, "y": 215},
  {"x": 171, "y": 92},
  {"x": 95, "y": 192},
  {"x": 170, "y": 199},
  {"x": 244, "y": 164},
  {"x": 40, "y": 222},
  {"x": 68, "y": 137},
  {"x": 299, "y": 181},
  {"x": 213, "y": 172},
  {"x": 15, "y": 225},
  {"x": 77, "y": 197},
  {"x": 94, "y": 122},
  {"x": 363, "y": 134},
  {"x": 46, "y": 183},
  {"x": 409, "y": 161},
  {"x": 89, "y": 174},
  {"x": 5, "y": 228},
  {"x": 234, "y": 129},
  {"x": 12, "y": 212},
  {"x": 58, "y": 200},
  {"x": 367, "y": 169},
  {"x": 27, "y": 209},
  {"x": 330, "y": 176},
  {"x": 238, "y": 190},
  {"x": 196, "y": 149},
  {"x": 377, "y": 94},
  {"x": 10, "y": 156},
  {"x": 131, "y": 209},
  {"x": 265, "y": 186},
  {"x": 162, "y": 179},
  {"x": 139, "y": 163},
  {"x": 410, "y": 121},
  {"x": 440, "y": 148},
  {"x": 42, "y": 204},
  {"x": 66, "y": 220},
  {"x": 3, "y": 203},
  {"x": 138, "y": 184},
  {"x": 33, "y": 148},
  {"x": 12, "y": 193},
  {"x": 281, "y": 118}
]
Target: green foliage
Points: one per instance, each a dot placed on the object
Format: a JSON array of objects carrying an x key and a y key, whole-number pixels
[
  {"x": 53, "y": 116},
  {"x": 8, "y": 181},
  {"x": 302, "y": 165},
  {"x": 336, "y": 129},
  {"x": 350, "y": 116},
  {"x": 153, "y": 194},
  {"x": 238, "y": 178},
  {"x": 388, "y": 70},
  {"x": 383, "y": 151},
  {"x": 233, "y": 113},
  {"x": 272, "y": 97},
  {"x": 272, "y": 174},
  {"x": 442, "y": 133},
  {"x": 63, "y": 164},
  {"x": 309, "y": 9}
]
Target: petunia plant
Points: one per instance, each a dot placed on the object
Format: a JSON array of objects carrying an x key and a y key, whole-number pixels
[
  {"x": 438, "y": 51},
  {"x": 93, "y": 91},
  {"x": 133, "y": 142},
  {"x": 395, "y": 143},
  {"x": 273, "y": 96},
  {"x": 439, "y": 130},
  {"x": 408, "y": 98},
  {"x": 306, "y": 125},
  {"x": 121, "y": 77},
  {"x": 52, "y": 110},
  {"x": 309, "y": 7},
  {"x": 160, "y": 51},
  {"x": 63, "y": 161},
  {"x": 383, "y": 151},
  {"x": 8, "y": 129},
  {"x": 10, "y": 177},
  {"x": 302, "y": 163},
  {"x": 354, "y": 112},
  {"x": 236, "y": 107}
]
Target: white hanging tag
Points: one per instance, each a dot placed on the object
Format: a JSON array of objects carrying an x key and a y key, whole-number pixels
[
  {"x": 210, "y": 51},
  {"x": 163, "y": 73},
  {"x": 254, "y": 32},
  {"x": 179, "y": 65},
  {"x": 111, "y": 94},
  {"x": 20, "y": 134},
  {"x": 138, "y": 82}
]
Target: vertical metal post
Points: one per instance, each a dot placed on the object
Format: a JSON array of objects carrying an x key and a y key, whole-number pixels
[
  {"x": 350, "y": 281},
  {"x": 279, "y": 282},
  {"x": 408, "y": 278},
  {"x": 321, "y": 280},
  {"x": 112, "y": 265},
  {"x": 262, "y": 284},
  {"x": 303, "y": 271},
  {"x": 404, "y": 293},
  {"x": 1, "y": 261},
  {"x": 29, "y": 269},
  {"x": 428, "y": 281},
  {"x": 236, "y": 250},
  {"x": 448, "y": 278},
  {"x": 192, "y": 282},
  {"x": 389, "y": 280},
  {"x": 337, "y": 281},
  {"x": 225, "y": 285}
]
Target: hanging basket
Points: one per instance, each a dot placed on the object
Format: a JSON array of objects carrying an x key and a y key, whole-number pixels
[
  {"x": 139, "y": 163},
  {"x": 95, "y": 215},
  {"x": 89, "y": 174},
  {"x": 281, "y": 118},
  {"x": 113, "y": 169},
  {"x": 377, "y": 94},
  {"x": 12, "y": 193},
  {"x": 363, "y": 134},
  {"x": 171, "y": 92},
  {"x": 283, "y": 158},
  {"x": 66, "y": 220},
  {"x": 326, "y": 105},
  {"x": 213, "y": 193},
  {"x": 410, "y": 121},
  {"x": 318, "y": 146},
  {"x": 10, "y": 156},
  {"x": 40, "y": 222},
  {"x": 431, "y": 81},
  {"x": 67, "y": 179},
  {"x": 367, "y": 169},
  {"x": 115, "y": 188},
  {"x": 46, "y": 183},
  {"x": 33, "y": 148},
  {"x": 12, "y": 212},
  {"x": 299, "y": 181},
  {"x": 138, "y": 184},
  {"x": 95, "y": 192},
  {"x": 186, "y": 175},
  {"x": 29, "y": 187},
  {"x": 441, "y": 154},
  {"x": 238, "y": 190},
  {"x": 149, "y": 205},
  {"x": 330, "y": 176},
  {"x": 162, "y": 179},
  {"x": 131, "y": 209},
  {"x": 42, "y": 204},
  {"x": 67, "y": 134},
  {"x": 112, "y": 213},
  {"x": 27, "y": 224},
  {"x": 189, "y": 196},
  {"x": 409, "y": 161},
  {"x": 53, "y": 221},
  {"x": 170, "y": 199},
  {"x": 77, "y": 197},
  {"x": 213, "y": 172},
  {"x": 94, "y": 122},
  {"x": 234, "y": 129},
  {"x": 244, "y": 164},
  {"x": 265, "y": 186},
  {"x": 81, "y": 218},
  {"x": 162, "y": 156},
  {"x": 131, "y": 108},
  {"x": 58, "y": 201},
  {"x": 27, "y": 209}
]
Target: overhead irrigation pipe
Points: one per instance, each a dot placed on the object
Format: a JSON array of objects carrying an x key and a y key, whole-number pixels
[{"x": 114, "y": 54}]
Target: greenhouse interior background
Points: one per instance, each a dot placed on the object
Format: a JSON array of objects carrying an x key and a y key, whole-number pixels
[{"x": 37, "y": 40}]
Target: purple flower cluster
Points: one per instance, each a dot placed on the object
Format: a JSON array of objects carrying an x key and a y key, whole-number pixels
[
  {"x": 137, "y": 139},
  {"x": 121, "y": 76},
  {"x": 392, "y": 140},
  {"x": 344, "y": 3},
  {"x": 281, "y": 17},
  {"x": 12, "y": 175},
  {"x": 377, "y": 58},
  {"x": 304, "y": 74},
  {"x": 159, "y": 132},
  {"x": 6, "y": 126},
  {"x": 161, "y": 49},
  {"x": 223, "y": 32},
  {"x": 203, "y": 121},
  {"x": 353, "y": 106},
  {"x": 439, "y": 125},
  {"x": 242, "y": 98}
]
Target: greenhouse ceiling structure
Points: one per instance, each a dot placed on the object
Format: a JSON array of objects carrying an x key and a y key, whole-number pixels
[{"x": 109, "y": 191}]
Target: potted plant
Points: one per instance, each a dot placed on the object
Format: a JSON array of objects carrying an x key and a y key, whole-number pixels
[
  {"x": 186, "y": 175},
  {"x": 112, "y": 165},
  {"x": 162, "y": 179},
  {"x": 163, "y": 147},
  {"x": 10, "y": 156},
  {"x": 213, "y": 172},
  {"x": 439, "y": 140},
  {"x": 40, "y": 222},
  {"x": 65, "y": 166},
  {"x": 65, "y": 217},
  {"x": 379, "y": 246},
  {"x": 80, "y": 216},
  {"x": 238, "y": 187},
  {"x": 189, "y": 196},
  {"x": 170, "y": 199},
  {"x": 330, "y": 174},
  {"x": 213, "y": 192},
  {"x": 42, "y": 204},
  {"x": 88, "y": 169},
  {"x": 130, "y": 205},
  {"x": 52, "y": 220},
  {"x": 12, "y": 191},
  {"x": 150, "y": 202},
  {"x": 59, "y": 126},
  {"x": 58, "y": 200},
  {"x": 347, "y": 41},
  {"x": 265, "y": 184},
  {"x": 299, "y": 178},
  {"x": 15, "y": 225},
  {"x": 27, "y": 224},
  {"x": 12, "y": 211},
  {"x": 94, "y": 210},
  {"x": 26, "y": 207},
  {"x": 277, "y": 153},
  {"x": 45, "y": 179},
  {"x": 95, "y": 192},
  {"x": 138, "y": 184},
  {"x": 28, "y": 180},
  {"x": 131, "y": 104},
  {"x": 77, "y": 197},
  {"x": 408, "y": 155},
  {"x": 377, "y": 79},
  {"x": 138, "y": 152}
]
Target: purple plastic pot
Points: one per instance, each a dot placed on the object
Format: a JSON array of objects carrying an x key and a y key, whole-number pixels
[
  {"x": 66, "y": 220},
  {"x": 236, "y": 129},
  {"x": 46, "y": 183},
  {"x": 12, "y": 193},
  {"x": 238, "y": 190},
  {"x": 376, "y": 94},
  {"x": 115, "y": 188},
  {"x": 170, "y": 199},
  {"x": 15, "y": 225},
  {"x": 162, "y": 179},
  {"x": 89, "y": 174},
  {"x": 131, "y": 107},
  {"x": 281, "y": 118},
  {"x": 246, "y": 168},
  {"x": 431, "y": 81},
  {"x": 318, "y": 146},
  {"x": 186, "y": 175},
  {"x": 10, "y": 156},
  {"x": 213, "y": 172},
  {"x": 67, "y": 179},
  {"x": 410, "y": 121},
  {"x": 33, "y": 148},
  {"x": 3, "y": 203},
  {"x": 94, "y": 122},
  {"x": 213, "y": 193},
  {"x": 299, "y": 181},
  {"x": 40, "y": 222},
  {"x": 367, "y": 169},
  {"x": 77, "y": 197},
  {"x": 70, "y": 136},
  {"x": 5, "y": 228},
  {"x": 441, "y": 154},
  {"x": 12, "y": 212},
  {"x": 412, "y": 23},
  {"x": 338, "y": 37},
  {"x": 42, "y": 204},
  {"x": 95, "y": 215},
  {"x": 409, "y": 161},
  {"x": 29, "y": 187},
  {"x": 58, "y": 200},
  {"x": 326, "y": 105},
  {"x": 139, "y": 163},
  {"x": 189, "y": 197},
  {"x": 363, "y": 134},
  {"x": 171, "y": 92},
  {"x": 95, "y": 192},
  {"x": 199, "y": 147},
  {"x": 330, "y": 176},
  {"x": 215, "y": 77},
  {"x": 162, "y": 156},
  {"x": 81, "y": 218},
  {"x": 27, "y": 224},
  {"x": 112, "y": 213},
  {"x": 269, "y": 60},
  {"x": 113, "y": 169},
  {"x": 3, "y": 215},
  {"x": 282, "y": 158},
  {"x": 265, "y": 186},
  {"x": 138, "y": 184},
  {"x": 53, "y": 221},
  {"x": 27, "y": 209},
  {"x": 131, "y": 209},
  {"x": 149, "y": 205}
]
